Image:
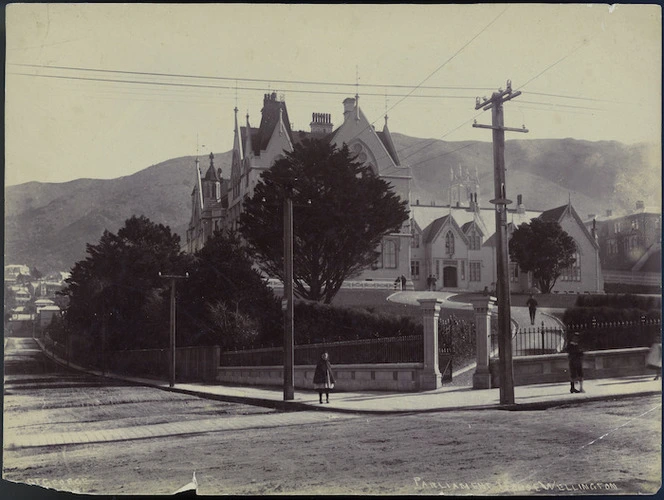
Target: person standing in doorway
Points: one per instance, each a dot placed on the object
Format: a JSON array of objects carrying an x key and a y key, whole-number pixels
[
  {"x": 323, "y": 378},
  {"x": 532, "y": 308},
  {"x": 575, "y": 358}
]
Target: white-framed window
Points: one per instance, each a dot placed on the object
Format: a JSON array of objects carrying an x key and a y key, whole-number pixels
[
  {"x": 449, "y": 243},
  {"x": 463, "y": 269},
  {"x": 617, "y": 227},
  {"x": 573, "y": 272},
  {"x": 474, "y": 240},
  {"x": 390, "y": 254},
  {"x": 475, "y": 271},
  {"x": 635, "y": 223},
  {"x": 415, "y": 269}
]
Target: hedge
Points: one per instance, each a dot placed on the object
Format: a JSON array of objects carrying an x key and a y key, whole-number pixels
[
  {"x": 319, "y": 322},
  {"x": 620, "y": 301},
  {"x": 604, "y": 314}
]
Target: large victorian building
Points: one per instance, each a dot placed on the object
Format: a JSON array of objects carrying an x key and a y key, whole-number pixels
[
  {"x": 255, "y": 149},
  {"x": 454, "y": 243}
]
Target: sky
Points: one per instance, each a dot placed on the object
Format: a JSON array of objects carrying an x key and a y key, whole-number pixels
[{"x": 106, "y": 90}]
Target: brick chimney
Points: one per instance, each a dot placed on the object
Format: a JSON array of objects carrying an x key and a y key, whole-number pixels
[
  {"x": 349, "y": 108},
  {"x": 321, "y": 123},
  {"x": 520, "y": 207}
]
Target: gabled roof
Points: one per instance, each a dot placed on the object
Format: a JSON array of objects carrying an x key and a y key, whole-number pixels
[
  {"x": 433, "y": 230},
  {"x": 554, "y": 214},
  {"x": 269, "y": 119},
  {"x": 557, "y": 214},
  {"x": 386, "y": 138},
  {"x": 468, "y": 225}
]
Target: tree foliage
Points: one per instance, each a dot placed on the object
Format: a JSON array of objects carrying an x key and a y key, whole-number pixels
[
  {"x": 341, "y": 212},
  {"x": 225, "y": 301},
  {"x": 544, "y": 248},
  {"x": 115, "y": 292}
]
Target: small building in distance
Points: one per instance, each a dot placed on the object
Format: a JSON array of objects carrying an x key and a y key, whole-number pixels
[{"x": 630, "y": 248}]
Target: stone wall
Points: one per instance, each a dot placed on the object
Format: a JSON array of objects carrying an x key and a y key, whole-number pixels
[
  {"x": 552, "y": 368},
  {"x": 401, "y": 377}
]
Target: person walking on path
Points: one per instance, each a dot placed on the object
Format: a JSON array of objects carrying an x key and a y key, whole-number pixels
[
  {"x": 575, "y": 357},
  {"x": 654, "y": 359},
  {"x": 323, "y": 378},
  {"x": 532, "y": 308}
]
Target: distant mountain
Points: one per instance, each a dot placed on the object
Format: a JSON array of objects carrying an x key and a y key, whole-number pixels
[{"x": 48, "y": 225}]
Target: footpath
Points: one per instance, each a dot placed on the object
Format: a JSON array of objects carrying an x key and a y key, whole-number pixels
[{"x": 447, "y": 398}]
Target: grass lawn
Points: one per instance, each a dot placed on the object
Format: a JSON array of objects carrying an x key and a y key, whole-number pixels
[{"x": 374, "y": 301}]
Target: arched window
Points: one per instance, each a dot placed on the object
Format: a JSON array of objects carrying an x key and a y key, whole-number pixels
[
  {"x": 573, "y": 272},
  {"x": 390, "y": 254},
  {"x": 449, "y": 243}
]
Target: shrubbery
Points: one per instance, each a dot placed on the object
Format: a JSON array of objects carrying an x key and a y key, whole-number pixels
[
  {"x": 620, "y": 301},
  {"x": 607, "y": 314},
  {"x": 316, "y": 323}
]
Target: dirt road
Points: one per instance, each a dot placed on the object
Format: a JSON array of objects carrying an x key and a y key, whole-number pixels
[{"x": 600, "y": 447}]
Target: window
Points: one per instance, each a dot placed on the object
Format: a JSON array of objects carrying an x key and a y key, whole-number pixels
[
  {"x": 379, "y": 258},
  {"x": 474, "y": 239},
  {"x": 390, "y": 254},
  {"x": 449, "y": 243},
  {"x": 415, "y": 269},
  {"x": 514, "y": 273},
  {"x": 573, "y": 272},
  {"x": 475, "y": 271},
  {"x": 635, "y": 223},
  {"x": 463, "y": 270},
  {"x": 415, "y": 242},
  {"x": 617, "y": 227}
]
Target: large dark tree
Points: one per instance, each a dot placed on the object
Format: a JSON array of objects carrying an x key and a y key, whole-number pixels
[
  {"x": 115, "y": 293},
  {"x": 341, "y": 212},
  {"x": 544, "y": 248},
  {"x": 225, "y": 301}
]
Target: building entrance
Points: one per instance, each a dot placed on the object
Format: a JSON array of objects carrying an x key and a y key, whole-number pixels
[{"x": 450, "y": 277}]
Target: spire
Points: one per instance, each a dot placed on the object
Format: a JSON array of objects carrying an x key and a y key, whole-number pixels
[
  {"x": 237, "y": 142},
  {"x": 248, "y": 146}
]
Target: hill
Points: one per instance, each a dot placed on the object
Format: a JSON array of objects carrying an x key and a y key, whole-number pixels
[{"x": 47, "y": 225}]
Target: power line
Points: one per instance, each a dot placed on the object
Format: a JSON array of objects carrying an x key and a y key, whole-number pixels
[
  {"x": 257, "y": 80},
  {"x": 258, "y": 89},
  {"x": 448, "y": 60}
]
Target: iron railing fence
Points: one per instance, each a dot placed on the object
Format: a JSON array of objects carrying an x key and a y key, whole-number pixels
[
  {"x": 602, "y": 335},
  {"x": 594, "y": 336},
  {"x": 407, "y": 349}
]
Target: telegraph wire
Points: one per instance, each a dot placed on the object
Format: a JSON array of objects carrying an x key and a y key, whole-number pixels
[
  {"x": 201, "y": 86},
  {"x": 256, "y": 80}
]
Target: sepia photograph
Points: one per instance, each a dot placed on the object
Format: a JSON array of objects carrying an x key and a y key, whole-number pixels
[{"x": 332, "y": 249}]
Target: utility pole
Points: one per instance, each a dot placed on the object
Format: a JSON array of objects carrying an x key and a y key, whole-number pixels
[
  {"x": 287, "y": 304},
  {"x": 495, "y": 104},
  {"x": 171, "y": 364}
]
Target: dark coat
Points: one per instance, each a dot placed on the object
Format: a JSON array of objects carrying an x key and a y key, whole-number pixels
[{"x": 323, "y": 372}]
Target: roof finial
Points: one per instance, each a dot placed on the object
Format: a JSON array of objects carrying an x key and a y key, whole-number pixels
[
  {"x": 357, "y": 93},
  {"x": 211, "y": 159}
]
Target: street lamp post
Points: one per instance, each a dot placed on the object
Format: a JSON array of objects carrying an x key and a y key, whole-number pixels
[
  {"x": 171, "y": 364},
  {"x": 289, "y": 369}
]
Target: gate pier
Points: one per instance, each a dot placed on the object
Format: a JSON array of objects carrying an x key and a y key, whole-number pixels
[
  {"x": 483, "y": 307},
  {"x": 430, "y": 377}
]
